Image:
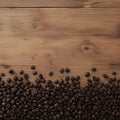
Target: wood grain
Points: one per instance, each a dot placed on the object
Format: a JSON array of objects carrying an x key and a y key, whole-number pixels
[
  {"x": 50, "y": 53},
  {"x": 60, "y": 3},
  {"x": 64, "y": 50},
  {"x": 36, "y": 22}
]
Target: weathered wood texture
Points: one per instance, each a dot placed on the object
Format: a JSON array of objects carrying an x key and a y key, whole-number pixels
[
  {"x": 69, "y": 50},
  {"x": 37, "y": 22},
  {"x": 60, "y": 3}
]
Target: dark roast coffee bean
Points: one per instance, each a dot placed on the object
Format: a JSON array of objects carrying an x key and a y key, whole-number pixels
[
  {"x": 26, "y": 76},
  {"x": 34, "y": 73},
  {"x": 56, "y": 81},
  {"x": 67, "y": 78},
  {"x": 15, "y": 78},
  {"x": 9, "y": 80},
  {"x": 105, "y": 76},
  {"x": 87, "y": 74},
  {"x": 33, "y": 67},
  {"x": 62, "y": 70},
  {"x": 41, "y": 76},
  {"x": 93, "y": 69},
  {"x": 21, "y": 72},
  {"x": 67, "y": 70},
  {"x": 51, "y": 73},
  {"x": 11, "y": 71},
  {"x": 2, "y": 74},
  {"x": 114, "y": 73}
]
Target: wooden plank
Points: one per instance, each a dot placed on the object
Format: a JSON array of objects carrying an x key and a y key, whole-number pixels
[
  {"x": 37, "y": 22},
  {"x": 69, "y": 50},
  {"x": 80, "y": 53},
  {"x": 60, "y": 3}
]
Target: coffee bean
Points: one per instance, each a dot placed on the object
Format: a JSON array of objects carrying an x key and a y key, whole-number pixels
[
  {"x": 9, "y": 80},
  {"x": 105, "y": 76},
  {"x": 26, "y": 76},
  {"x": 114, "y": 73},
  {"x": 11, "y": 71},
  {"x": 2, "y": 74},
  {"x": 87, "y": 74},
  {"x": 33, "y": 67},
  {"x": 34, "y": 73},
  {"x": 67, "y": 70},
  {"x": 41, "y": 76},
  {"x": 21, "y": 72},
  {"x": 93, "y": 69},
  {"x": 51, "y": 73},
  {"x": 56, "y": 81},
  {"x": 77, "y": 78},
  {"x": 15, "y": 78},
  {"x": 67, "y": 78},
  {"x": 62, "y": 70}
]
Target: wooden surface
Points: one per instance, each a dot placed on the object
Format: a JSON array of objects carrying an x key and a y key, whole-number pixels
[
  {"x": 36, "y": 22},
  {"x": 52, "y": 34},
  {"x": 60, "y": 3}
]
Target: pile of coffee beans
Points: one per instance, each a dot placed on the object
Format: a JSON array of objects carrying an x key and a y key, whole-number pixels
[{"x": 61, "y": 99}]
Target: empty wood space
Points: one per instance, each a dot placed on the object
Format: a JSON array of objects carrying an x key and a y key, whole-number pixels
[{"x": 51, "y": 34}]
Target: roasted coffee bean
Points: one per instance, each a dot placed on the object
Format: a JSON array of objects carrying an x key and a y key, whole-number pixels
[
  {"x": 114, "y": 73},
  {"x": 87, "y": 74},
  {"x": 26, "y": 76},
  {"x": 2, "y": 74},
  {"x": 15, "y": 78},
  {"x": 67, "y": 78},
  {"x": 67, "y": 70},
  {"x": 105, "y": 76},
  {"x": 41, "y": 76},
  {"x": 62, "y": 70},
  {"x": 21, "y": 72},
  {"x": 77, "y": 78},
  {"x": 51, "y": 73},
  {"x": 34, "y": 73},
  {"x": 33, "y": 67},
  {"x": 9, "y": 80},
  {"x": 11, "y": 71},
  {"x": 20, "y": 79},
  {"x": 56, "y": 81},
  {"x": 93, "y": 69}
]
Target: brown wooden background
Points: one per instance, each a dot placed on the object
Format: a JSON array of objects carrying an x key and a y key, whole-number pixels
[{"x": 60, "y": 33}]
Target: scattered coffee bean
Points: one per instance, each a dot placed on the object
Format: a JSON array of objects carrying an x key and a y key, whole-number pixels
[
  {"x": 33, "y": 67},
  {"x": 93, "y": 69},
  {"x": 51, "y": 73},
  {"x": 67, "y": 78},
  {"x": 62, "y": 70},
  {"x": 21, "y": 72},
  {"x": 11, "y": 71},
  {"x": 87, "y": 74},
  {"x": 105, "y": 76},
  {"x": 114, "y": 73},
  {"x": 26, "y": 76},
  {"x": 9, "y": 80},
  {"x": 34, "y": 73},
  {"x": 41, "y": 76},
  {"x": 67, "y": 70},
  {"x": 2, "y": 74}
]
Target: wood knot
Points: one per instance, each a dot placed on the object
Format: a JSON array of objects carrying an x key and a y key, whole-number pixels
[
  {"x": 34, "y": 25},
  {"x": 87, "y": 48}
]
